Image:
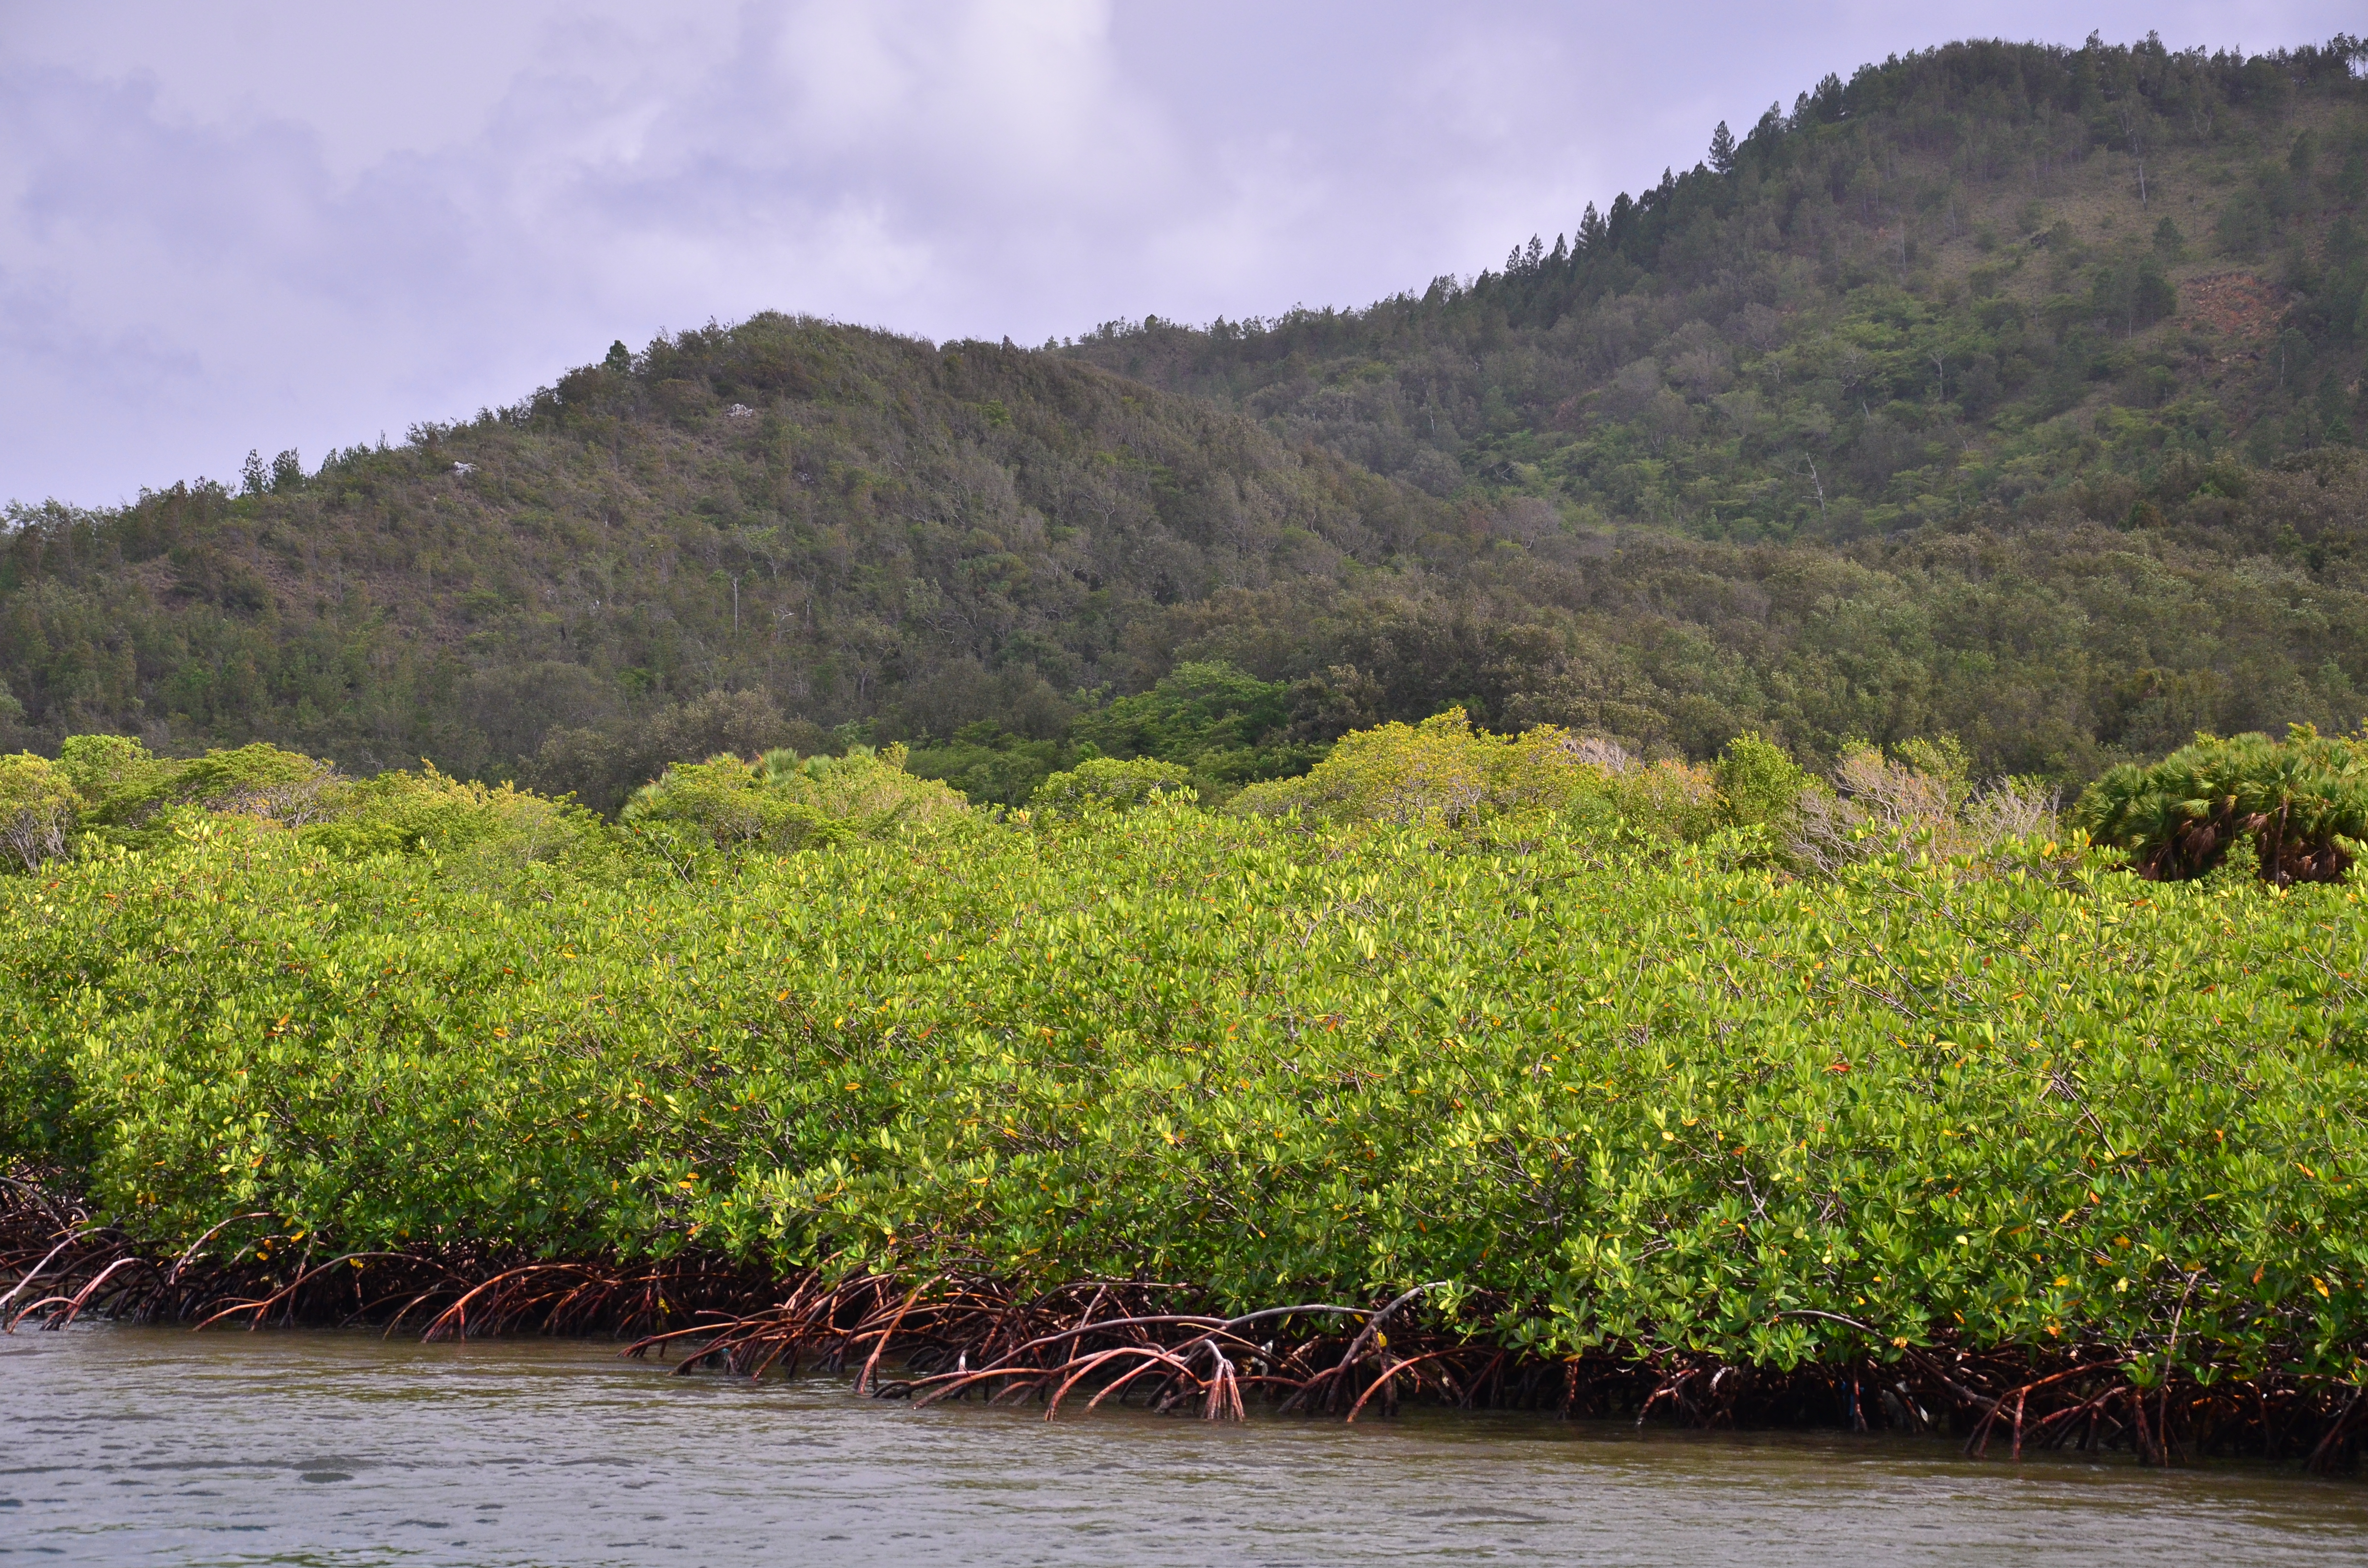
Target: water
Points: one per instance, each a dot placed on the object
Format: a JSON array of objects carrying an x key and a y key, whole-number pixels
[{"x": 137, "y": 1446}]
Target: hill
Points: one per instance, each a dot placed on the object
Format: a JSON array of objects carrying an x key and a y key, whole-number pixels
[
  {"x": 1960, "y": 279},
  {"x": 2006, "y": 391},
  {"x": 730, "y": 541}
]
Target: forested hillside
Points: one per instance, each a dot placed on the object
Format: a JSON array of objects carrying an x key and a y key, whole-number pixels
[
  {"x": 728, "y": 541},
  {"x": 2005, "y": 392},
  {"x": 1966, "y": 277}
]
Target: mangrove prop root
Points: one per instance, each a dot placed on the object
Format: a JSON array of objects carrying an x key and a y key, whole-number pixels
[{"x": 948, "y": 1337}]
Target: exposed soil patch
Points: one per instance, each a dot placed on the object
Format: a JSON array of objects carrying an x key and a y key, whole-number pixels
[{"x": 2234, "y": 304}]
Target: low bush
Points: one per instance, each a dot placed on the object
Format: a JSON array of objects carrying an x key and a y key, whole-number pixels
[
  {"x": 2298, "y": 810},
  {"x": 1223, "y": 725},
  {"x": 129, "y": 798},
  {"x": 1109, "y": 784},
  {"x": 1917, "y": 805},
  {"x": 726, "y": 803},
  {"x": 1444, "y": 773},
  {"x": 39, "y": 809},
  {"x": 484, "y": 835},
  {"x": 781, "y": 804},
  {"x": 866, "y": 792}
]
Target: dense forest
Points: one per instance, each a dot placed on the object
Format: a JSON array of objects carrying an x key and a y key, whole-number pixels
[{"x": 2007, "y": 392}]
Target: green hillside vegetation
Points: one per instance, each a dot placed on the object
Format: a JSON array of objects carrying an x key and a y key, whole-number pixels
[
  {"x": 1959, "y": 283},
  {"x": 2015, "y": 332},
  {"x": 1915, "y": 411},
  {"x": 736, "y": 540}
]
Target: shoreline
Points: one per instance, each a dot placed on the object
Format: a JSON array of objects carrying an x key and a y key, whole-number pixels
[{"x": 1157, "y": 1346}]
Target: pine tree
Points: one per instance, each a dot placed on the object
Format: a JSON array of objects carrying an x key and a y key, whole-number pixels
[
  {"x": 1722, "y": 149},
  {"x": 1620, "y": 218},
  {"x": 1590, "y": 230}
]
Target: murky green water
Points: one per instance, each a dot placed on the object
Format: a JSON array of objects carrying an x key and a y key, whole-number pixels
[{"x": 134, "y": 1445}]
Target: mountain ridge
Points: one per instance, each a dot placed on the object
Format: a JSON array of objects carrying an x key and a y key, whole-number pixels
[
  {"x": 1980, "y": 204},
  {"x": 1709, "y": 473}
]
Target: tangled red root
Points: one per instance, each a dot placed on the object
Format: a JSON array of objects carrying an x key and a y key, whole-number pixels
[{"x": 950, "y": 1337}]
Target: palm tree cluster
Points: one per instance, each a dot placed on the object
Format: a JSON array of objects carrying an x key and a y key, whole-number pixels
[{"x": 2301, "y": 804}]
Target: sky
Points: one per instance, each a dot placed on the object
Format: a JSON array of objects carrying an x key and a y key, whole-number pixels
[{"x": 235, "y": 225}]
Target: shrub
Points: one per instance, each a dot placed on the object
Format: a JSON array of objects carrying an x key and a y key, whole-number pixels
[
  {"x": 1759, "y": 785},
  {"x": 1397, "y": 773},
  {"x": 1115, "y": 785},
  {"x": 1917, "y": 805},
  {"x": 483, "y": 833},
  {"x": 782, "y": 802},
  {"x": 865, "y": 790},
  {"x": 1223, "y": 723},
  {"x": 726, "y": 803},
  {"x": 1445, "y": 773},
  {"x": 1669, "y": 799},
  {"x": 39, "y": 809},
  {"x": 988, "y": 764},
  {"x": 106, "y": 767},
  {"x": 1645, "y": 1100},
  {"x": 131, "y": 796},
  {"x": 2302, "y": 807},
  {"x": 283, "y": 787}
]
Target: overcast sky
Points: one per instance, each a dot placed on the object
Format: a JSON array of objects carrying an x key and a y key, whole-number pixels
[{"x": 227, "y": 225}]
